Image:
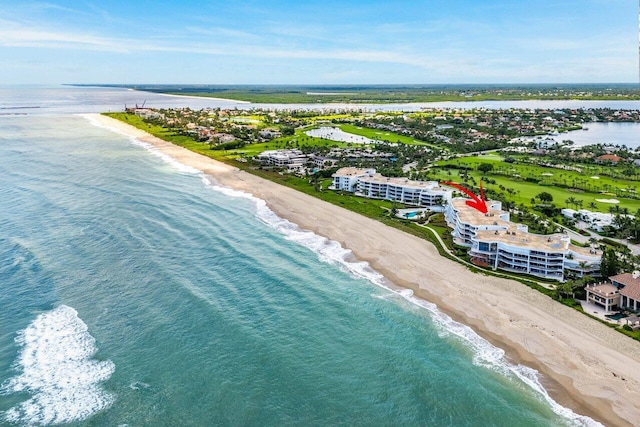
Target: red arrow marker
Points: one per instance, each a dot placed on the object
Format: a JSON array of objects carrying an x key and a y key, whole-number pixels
[{"x": 477, "y": 203}]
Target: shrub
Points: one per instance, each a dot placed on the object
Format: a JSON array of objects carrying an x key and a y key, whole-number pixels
[
  {"x": 612, "y": 243},
  {"x": 229, "y": 145}
]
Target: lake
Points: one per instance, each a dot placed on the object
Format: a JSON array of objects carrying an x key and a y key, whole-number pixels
[{"x": 605, "y": 133}]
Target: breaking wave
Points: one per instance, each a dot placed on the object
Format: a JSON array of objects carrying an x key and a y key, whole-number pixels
[{"x": 56, "y": 367}]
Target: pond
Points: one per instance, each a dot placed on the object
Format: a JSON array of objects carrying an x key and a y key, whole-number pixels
[
  {"x": 336, "y": 134},
  {"x": 604, "y": 133}
]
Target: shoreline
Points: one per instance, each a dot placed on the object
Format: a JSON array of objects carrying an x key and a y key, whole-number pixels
[
  {"x": 394, "y": 102},
  {"x": 237, "y": 101},
  {"x": 584, "y": 365}
]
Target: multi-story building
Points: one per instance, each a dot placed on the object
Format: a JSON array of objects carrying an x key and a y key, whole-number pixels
[
  {"x": 597, "y": 221},
  {"x": 604, "y": 295},
  {"x": 346, "y": 179},
  {"x": 494, "y": 241},
  {"x": 403, "y": 190},
  {"x": 283, "y": 158},
  {"x": 367, "y": 183}
]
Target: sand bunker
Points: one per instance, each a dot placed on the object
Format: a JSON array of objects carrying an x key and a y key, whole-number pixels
[
  {"x": 614, "y": 201},
  {"x": 595, "y": 177}
]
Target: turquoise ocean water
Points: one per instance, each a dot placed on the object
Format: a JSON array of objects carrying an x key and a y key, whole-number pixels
[{"x": 134, "y": 291}]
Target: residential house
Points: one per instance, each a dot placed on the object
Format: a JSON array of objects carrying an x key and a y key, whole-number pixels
[
  {"x": 608, "y": 159},
  {"x": 629, "y": 286}
]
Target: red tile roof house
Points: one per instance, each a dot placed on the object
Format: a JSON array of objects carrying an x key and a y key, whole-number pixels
[
  {"x": 608, "y": 158},
  {"x": 629, "y": 287}
]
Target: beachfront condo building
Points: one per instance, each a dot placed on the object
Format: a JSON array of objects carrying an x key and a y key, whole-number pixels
[
  {"x": 346, "y": 179},
  {"x": 494, "y": 241},
  {"x": 283, "y": 158},
  {"x": 368, "y": 183}
]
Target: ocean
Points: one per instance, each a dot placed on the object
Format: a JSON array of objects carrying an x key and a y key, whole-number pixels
[{"x": 137, "y": 292}]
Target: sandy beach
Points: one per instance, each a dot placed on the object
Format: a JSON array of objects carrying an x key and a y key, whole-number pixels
[{"x": 586, "y": 366}]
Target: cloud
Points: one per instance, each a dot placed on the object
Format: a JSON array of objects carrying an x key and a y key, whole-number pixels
[
  {"x": 223, "y": 32},
  {"x": 455, "y": 56},
  {"x": 14, "y": 35}
]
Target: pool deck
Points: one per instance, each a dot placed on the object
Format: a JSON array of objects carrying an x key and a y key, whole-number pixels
[
  {"x": 413, "y": 213},
  {"x": 599, "y": 312}
]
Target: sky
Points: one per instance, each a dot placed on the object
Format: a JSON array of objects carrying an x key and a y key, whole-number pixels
[{"x": 318, "y": 42}]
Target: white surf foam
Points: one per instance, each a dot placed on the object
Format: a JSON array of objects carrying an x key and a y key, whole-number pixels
[
  {"x": 485, "y": 354},
  {"x": 57, "y": 368},
  {"x": 167, "y": 159},
  {"x": 327, "y": 250},
  {"x": 489, "y": 356}
]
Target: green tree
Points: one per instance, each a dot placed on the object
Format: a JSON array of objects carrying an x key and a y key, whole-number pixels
[
  {"x": 485, "y": 167},
  {"x": 544, "y": 197},
  {"x": 287, "y": 130},
  {"x": 570, "y": 201},
  {"x": 566, "y": 289},
  {"x": 609, "y": 265}
]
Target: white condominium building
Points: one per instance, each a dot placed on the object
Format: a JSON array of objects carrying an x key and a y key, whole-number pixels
[
  {"x": 403, "y": 190},
  {"x": 496, "y": 242},
  {"x": 597, "y": 221},
  {"x": 282, "y": 158},
  {"x": 367, "y": 183},
  {"x": 346, "y": 179}
]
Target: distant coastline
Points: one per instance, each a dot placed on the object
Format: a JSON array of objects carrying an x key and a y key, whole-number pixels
[
  {"x": 392, "y": 94},
  {"x": 211, "y": 97}
]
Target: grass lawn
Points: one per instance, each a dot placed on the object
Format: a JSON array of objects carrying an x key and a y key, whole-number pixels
[
  {"x": 382, "y": 135},
  {"x": 525, "y": 191},
  {"x": 552, "y": 181}
]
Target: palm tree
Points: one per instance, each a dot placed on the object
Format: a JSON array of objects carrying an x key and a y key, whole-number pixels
[
  {"x": 583, "y": 266},
  {"x": 570, "y": 201}
]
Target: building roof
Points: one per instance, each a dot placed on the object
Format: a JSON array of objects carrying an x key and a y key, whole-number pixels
[
  {"x": 631, "y": 285},
  {"x": 352, "y": 172},
  {"x": 551, "y": 243},
  {"x": 632, "y": 319},
  {"x": 607, "y": 290},
  {"x": 472, "y": 216},
  {"x": 626, "y": 279},
  {"x": 609, "y": 158}
]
